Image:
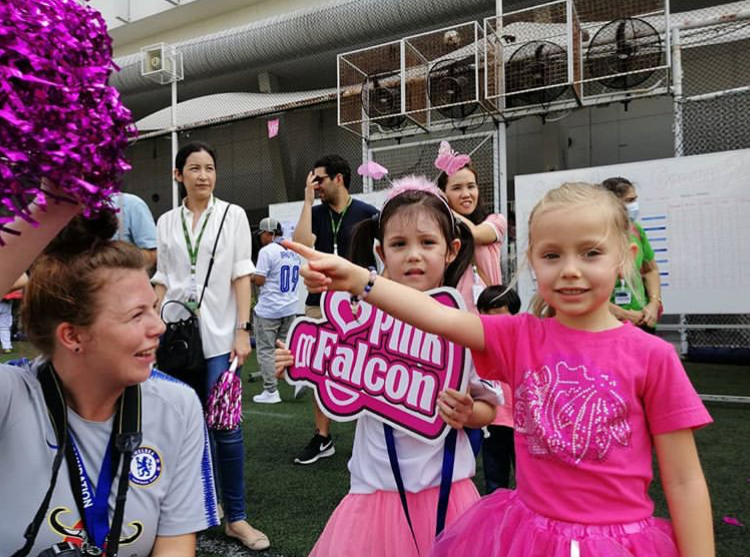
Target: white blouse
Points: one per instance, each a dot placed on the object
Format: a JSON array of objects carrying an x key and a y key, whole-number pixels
[{"x": 218, "y": 312}]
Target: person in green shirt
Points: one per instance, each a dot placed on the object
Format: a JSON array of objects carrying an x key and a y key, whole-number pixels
[{"x": 640, "y": 302}]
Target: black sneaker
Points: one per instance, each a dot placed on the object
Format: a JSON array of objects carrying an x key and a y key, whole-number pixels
[{"x": 318, "y": 447}]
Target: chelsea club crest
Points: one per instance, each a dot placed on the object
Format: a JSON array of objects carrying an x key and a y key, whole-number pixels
[{"x": 145, "y": 467}]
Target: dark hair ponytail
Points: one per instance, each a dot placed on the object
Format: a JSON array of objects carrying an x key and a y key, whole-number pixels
[
  {"x": 363, "y": 239},
  {"x": 458, "y": 266}
]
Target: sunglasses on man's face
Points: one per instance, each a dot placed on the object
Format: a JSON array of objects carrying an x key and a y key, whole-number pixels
[{"x": 319, "y": 179}]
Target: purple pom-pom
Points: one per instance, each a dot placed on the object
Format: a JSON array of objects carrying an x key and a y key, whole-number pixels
[{"x": 58, "y": 117}]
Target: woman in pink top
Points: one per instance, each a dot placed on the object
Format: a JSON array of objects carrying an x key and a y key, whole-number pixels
[
  {"x": 593, "y": 397},
  {"x": 488, "y": 230}
]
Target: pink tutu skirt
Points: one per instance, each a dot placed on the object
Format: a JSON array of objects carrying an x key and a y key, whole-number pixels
[
  {"x": 500, "y": 525},
  {"x": 374, "y": 524}
]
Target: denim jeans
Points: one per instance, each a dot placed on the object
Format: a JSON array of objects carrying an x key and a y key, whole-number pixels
[{"x": 227, "y": 452}]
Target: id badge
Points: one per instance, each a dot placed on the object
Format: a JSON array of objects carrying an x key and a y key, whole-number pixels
[{"x": 622, "y": 297}]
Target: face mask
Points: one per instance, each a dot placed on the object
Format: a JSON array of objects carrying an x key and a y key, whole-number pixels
[{"x": 633, "y": 210}]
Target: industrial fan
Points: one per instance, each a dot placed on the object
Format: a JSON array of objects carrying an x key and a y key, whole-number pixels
[
  {"x": 381, "y": 99},
  {"x": 624, "y": 53},
  {"x": 536, "y": 74},
  {"x": 452, "y": 87}
]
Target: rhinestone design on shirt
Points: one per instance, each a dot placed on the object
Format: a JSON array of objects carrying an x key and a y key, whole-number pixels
[{"x": 571, "y": 412}]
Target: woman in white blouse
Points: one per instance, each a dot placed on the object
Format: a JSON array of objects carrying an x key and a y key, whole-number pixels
[{"x": 185, "y": 240}]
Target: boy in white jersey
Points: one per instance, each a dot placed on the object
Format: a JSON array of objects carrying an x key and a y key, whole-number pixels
[{"x": 277, "y": 273}]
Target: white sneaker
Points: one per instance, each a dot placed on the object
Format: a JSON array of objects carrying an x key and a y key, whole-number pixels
[
  {"x": 299, "y": 390},
  {"x": 267, "y": 397}
]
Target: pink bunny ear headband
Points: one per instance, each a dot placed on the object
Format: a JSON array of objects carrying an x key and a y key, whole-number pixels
[{"x": 403, "y": 185}]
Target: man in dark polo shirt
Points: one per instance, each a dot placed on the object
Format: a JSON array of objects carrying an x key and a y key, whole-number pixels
[{"x": 328, "y": 227}]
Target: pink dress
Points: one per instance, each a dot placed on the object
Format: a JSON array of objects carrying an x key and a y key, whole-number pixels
[
  {"x": 586, "y": 407},
  {"x": 370, "y": 521}
]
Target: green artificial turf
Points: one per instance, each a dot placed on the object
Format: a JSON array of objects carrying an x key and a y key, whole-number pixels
[{"x": 292, "y": 503}]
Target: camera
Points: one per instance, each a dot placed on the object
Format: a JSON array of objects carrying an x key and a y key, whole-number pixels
[{"x": 67, "y": 549}]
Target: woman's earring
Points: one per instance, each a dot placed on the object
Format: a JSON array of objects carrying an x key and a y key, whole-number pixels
[{"x": 77, "y": 349}]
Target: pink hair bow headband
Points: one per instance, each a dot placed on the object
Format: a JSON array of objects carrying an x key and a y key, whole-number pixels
[
  {"x": 404, "y": 184},
  {"x": 449, "y": 161}
]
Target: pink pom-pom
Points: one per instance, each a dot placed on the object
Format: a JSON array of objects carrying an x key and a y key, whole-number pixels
[
  {"x": 58, "y": 117},
  {"x": 224, "y": 407}
]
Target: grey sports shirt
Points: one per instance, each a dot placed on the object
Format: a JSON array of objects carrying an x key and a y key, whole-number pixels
[{"x": 171, "y": 488}]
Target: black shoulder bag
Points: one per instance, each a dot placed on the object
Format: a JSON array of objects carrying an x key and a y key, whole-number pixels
[
  {"x": 126, "y": 438},
  {"x": 180, "y": 351}
]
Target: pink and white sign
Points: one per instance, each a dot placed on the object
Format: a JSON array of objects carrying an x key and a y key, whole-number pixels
[
  {"x": 377, "y": 365},
  {"x": 273, "y": 127}
]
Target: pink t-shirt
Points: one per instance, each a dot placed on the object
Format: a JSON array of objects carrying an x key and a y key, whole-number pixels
[
  {"x": 586, "y": 406},
  {"x": 487, "y": 258}
]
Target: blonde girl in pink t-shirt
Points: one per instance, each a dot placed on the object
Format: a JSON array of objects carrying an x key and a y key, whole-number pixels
[{"x": 593, "y": 398}]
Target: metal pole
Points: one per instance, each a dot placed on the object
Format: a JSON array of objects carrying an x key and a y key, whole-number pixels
[
  {"x": 366, "y": 157},
  {"x": 175, "y": 194},
  {"x": 678, "y": 142},
  {"x": 677, "y": 92}
]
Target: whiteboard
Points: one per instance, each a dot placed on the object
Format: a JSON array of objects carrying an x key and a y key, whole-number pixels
[
  {"x": 696, "y": 213},
  {"x": 288, "y": 215}
]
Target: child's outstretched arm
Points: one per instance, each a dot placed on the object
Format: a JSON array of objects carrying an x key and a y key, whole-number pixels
[
  {"x": 686, "y": 492},
  {"x": 329, "y": 272}
]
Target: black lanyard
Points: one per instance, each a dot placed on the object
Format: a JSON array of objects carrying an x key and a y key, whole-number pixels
[{"x": 126, "y": 438}]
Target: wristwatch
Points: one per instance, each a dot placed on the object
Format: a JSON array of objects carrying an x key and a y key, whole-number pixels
[{"x": 246, "y": 326}]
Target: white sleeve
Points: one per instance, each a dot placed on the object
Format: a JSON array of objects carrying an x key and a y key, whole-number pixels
[{"x": 242, "y": 263}]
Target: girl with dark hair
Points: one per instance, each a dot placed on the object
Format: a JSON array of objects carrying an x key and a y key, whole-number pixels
[
  {"x": 186, "y": 237},
  {"x": 418, "y": 241},
  {"x": 90, "y": 311},
  {"x": 487, "y": 229}
]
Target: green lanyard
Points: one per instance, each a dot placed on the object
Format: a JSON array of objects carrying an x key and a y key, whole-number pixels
[
  {"x": 193, "y": 253},
  {"x": 335, "y": 226}
]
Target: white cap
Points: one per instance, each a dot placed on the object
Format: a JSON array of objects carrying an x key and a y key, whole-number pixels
[{"x": 270, "y": 224}]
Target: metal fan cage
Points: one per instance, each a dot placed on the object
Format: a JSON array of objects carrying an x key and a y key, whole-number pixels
[
  {"x": 625, "y": 47},
  {"x": 370, "y": 90},
  {"x": 535, "y": 54},
  {"x": 444, "y": 73}
]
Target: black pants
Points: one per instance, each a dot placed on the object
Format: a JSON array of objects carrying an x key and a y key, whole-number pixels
[{"x": 498, "y": 455}]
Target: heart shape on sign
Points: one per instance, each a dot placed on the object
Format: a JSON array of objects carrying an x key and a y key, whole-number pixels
[{"x": 337, "y": 310}]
